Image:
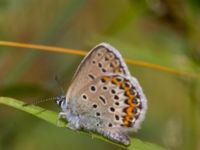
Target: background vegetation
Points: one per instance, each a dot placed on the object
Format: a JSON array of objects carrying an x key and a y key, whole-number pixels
[{"x": 163, "y": 32}]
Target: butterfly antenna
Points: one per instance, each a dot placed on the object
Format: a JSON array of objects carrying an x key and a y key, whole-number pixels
[
  {"x": 60, "y": 85},
  {"x": 57, "y": 98},
  {"x": 40, "y": 101}
]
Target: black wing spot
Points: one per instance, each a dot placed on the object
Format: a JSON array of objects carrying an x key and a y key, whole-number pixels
[
  {"x": 135, "y": 110},
  {"x": 130, "y": 124},
  {"x": 127, "y": 84},
  {"x": 105, "y": 88},
  {"x": 106, "y": 58},
  {"x": 140, "y": 106},
  {"x": 103, "y": 70},
  {"x": 103, "y": 80},
  {"x": 98, "y": 114},
  {"x": 100, "y": 65},
  {"x": 93, "y": 88},
  {"x": 125, "y": 110},
  {"x": 100, "y": 53},
  {"x": 102, "y": 99},
  {"x": 94, "y": 105},
  {"x": 84, "y": 96},
  {"x": 116, "y": 117},
  {"x": 126, "y": 102},
  {"x": 113, "y": 91},
  {"x": 137, "y": 95},
  {"x": 112, "y": 109},
  {"x": 91, "y": 76},
  {"x": 116, "y": 97},
  {"x": 119, "y": 79},
  {"x": 117, "y": 103},
  {"x": 135, "y": 101},
  {"x": 110, "y": 125}
]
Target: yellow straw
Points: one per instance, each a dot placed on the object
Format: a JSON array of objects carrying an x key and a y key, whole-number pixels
[{"x": 83, "y": 53}]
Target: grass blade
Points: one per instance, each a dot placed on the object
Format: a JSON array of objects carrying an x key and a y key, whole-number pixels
[{"x": 52, "y": 117}]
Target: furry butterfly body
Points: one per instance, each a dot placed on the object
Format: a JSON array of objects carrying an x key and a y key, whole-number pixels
[{"x": 103, "y": 96}]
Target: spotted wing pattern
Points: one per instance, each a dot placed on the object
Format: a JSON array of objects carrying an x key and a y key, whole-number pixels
[
  {"x": 128, "y": 95},
  {"x": 101, "y": 60},
  {"x": 104, "y": 97}
]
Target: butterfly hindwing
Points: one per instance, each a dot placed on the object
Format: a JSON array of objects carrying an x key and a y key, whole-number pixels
[{"x": 114, "y": 99}]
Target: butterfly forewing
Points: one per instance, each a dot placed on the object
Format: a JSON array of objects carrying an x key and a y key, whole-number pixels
[{"x": 101, "y": 60}]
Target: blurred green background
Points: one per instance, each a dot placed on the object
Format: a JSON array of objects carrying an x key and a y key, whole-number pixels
[{"x": 164, "y": 32}]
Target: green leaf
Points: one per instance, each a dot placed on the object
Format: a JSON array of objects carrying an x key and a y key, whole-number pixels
[{"x": 52, "y": 117}]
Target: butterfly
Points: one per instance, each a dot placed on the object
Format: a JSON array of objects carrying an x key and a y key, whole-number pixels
[{"x": 103, "y": 96}]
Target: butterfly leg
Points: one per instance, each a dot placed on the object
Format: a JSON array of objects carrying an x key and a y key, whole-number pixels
[
  {"x": 60, "y": 116},
  {"x": 74, "y": 122},
  {"x": 73, "y": 126}
]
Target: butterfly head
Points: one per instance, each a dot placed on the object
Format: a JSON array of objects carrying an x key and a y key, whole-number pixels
[{"x": 61, "y": 101}]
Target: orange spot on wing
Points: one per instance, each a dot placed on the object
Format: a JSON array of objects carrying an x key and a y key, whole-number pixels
[
  {"x": 123, "y": 85},
  {"x": 114, "y": 80},
  {"x": 130, "y": 102},
  {"x": 129, "y": 94},
  {"x": 106, "y": 78},
  {"x": 129, "y": 112}
]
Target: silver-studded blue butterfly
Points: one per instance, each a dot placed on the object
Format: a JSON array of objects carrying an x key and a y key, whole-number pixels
[{"x": 103, "y": 96}]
